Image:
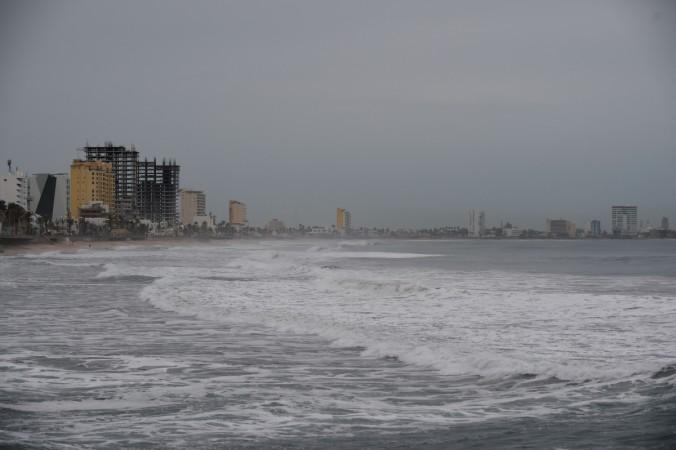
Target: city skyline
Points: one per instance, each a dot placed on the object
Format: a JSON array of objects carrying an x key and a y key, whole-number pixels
[
  {"x": 408, "y": 118},
  {"x": 474, "y": 223}
]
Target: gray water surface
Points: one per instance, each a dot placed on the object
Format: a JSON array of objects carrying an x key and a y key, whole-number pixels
[{"x": 341, "y": 344}]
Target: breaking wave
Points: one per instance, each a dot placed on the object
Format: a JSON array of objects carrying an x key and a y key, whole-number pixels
[{"x": 488, "y": 324}]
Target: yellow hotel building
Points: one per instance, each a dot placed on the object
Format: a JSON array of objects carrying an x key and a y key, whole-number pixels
[
  {"x": 237, "y": 213},
  {"x": 340, "y": 219},
  {"x": 91, "y": 181},
  {"x": 343, "y": 220}
]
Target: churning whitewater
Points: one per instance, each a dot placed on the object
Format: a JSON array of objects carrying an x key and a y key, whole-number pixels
[{"x": 468, "y": 344}]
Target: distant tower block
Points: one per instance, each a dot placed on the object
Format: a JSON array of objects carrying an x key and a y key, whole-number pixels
[
  {"x": 193, "y": 203},
  {"x": 624, "y": 220},
  {"x": 237, "y": 213},
  {"x": 343, "y": 220},
  {"x": 471, "y": 223},
  {"x": 482, "y": 223}
]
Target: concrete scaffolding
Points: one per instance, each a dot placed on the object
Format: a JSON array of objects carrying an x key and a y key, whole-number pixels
[
  {"x": 157, "y": 192},
  {"x": 125, "y": 170}
]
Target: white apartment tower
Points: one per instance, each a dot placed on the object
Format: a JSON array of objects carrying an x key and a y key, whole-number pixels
[
  {"x": 482, "y": 223},
  {"x": 475, "y": 229},
  {"x": 14, "y": 187}
]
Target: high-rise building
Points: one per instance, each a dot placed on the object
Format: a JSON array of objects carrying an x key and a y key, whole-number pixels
[
  {"x": 157, "y": 191},
  {"x": 561, "y": 228},
  {"x": 665, "y": 223},
  {"x": 595, "y": 228},
  {"x": 237, "y": 213},
  {"x": 471, "y": 223},
  {"x": 624, "y": 220},
  {"x": 193, "y": 203},
  {"x": 340, "y": 219},
  {"x": 125, "y": 168},
  {"x": 482, "y": 223},
  {"x": 14, "y": 187},
  {"x": 49, "y": 195},
  {"x": 343, "y": 220},
  {"x": 91, "y": 181}
]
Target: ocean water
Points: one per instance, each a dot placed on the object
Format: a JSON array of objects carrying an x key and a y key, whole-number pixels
[{"x": 341, "y": 344}]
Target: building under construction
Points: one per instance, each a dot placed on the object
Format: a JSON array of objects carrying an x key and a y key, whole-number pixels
[
  {"x": 157, "y": 191},
  {"x": 125, "y": 170}
]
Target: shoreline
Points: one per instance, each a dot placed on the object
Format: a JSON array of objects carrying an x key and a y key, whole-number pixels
[
  {"x": 69, "y": 246},
  {"x": 42, "y": 245}
]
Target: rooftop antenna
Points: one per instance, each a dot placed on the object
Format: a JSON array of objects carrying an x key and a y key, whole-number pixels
[{"x": 9, "y": 165}]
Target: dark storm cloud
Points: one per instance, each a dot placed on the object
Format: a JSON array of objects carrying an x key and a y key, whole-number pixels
[{"x": 407, "y": 113}]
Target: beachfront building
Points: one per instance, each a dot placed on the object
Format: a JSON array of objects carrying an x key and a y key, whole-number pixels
[
  {"x": 276, "y": 226},
  {"x": 482, "y": 224},
  {"x": 157, "y": 191},
  {"x": 476, "y": 228},
  {"x": 595, "y": 228},
  {"x": 319, "y": 231},
  {"x": 511, "y": 231},
  {"x": 193, "y": 203},
  {"x": 343, "y": 220},
  {"x": 96, "y": 213},
  {"x": 14, "y": 187},
  {"x": 206, "y": 220},
  {"x": 340, "y": 219},
  {"x": 91, "y": 181},
  {"x": 624, "y": 221},
  {"x": 125, "y": 170},
  {"x": 237, "y": 213},
  {"x": 471, "y": 223},
  {"x": 49, "y": 195},
  {"x": 561, "y": 228}
]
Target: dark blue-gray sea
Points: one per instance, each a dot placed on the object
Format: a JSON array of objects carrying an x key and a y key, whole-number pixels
[{"x": 462, "y": 344}]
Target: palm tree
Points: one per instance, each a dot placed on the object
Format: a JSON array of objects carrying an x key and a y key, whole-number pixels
[
  {"x": 3, "y": 213},
  {"x": 14, "y": 213}
]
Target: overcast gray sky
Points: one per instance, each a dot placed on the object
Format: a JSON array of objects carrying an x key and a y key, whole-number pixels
[{"x": 407, "y": 113}]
